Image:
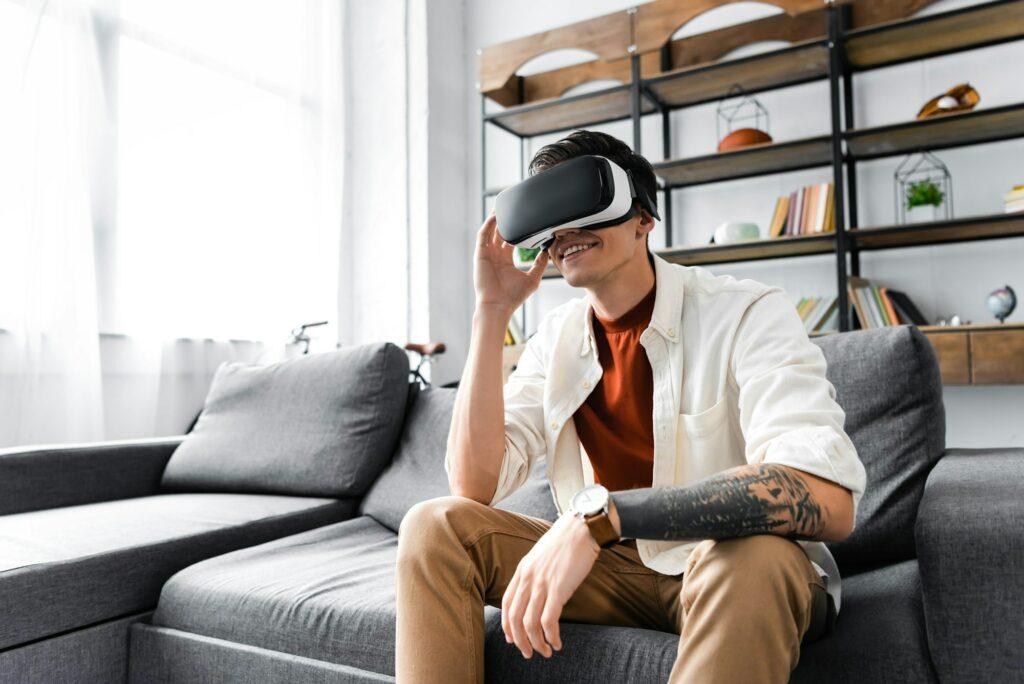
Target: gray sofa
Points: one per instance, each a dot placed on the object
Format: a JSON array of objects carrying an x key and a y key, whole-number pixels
[{"x": 226, "y": 555}]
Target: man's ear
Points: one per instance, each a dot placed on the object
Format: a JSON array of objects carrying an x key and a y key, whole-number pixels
[{"x": 645, "y": 224}]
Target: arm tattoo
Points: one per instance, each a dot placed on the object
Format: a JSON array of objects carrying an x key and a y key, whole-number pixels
[{"x": 761, "y": 499}]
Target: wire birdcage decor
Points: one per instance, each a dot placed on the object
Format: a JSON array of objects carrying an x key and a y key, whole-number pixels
[
  {"x": 747, "y": 108},
  {"x": 922, "y": 180}
]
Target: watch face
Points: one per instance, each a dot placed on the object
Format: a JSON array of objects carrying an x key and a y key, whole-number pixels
[{"x": 590, "y": 500}]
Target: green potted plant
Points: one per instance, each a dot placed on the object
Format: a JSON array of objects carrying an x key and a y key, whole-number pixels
[
  {"x": 524, "y": 256},
  {"x": 923, "y": 199}
]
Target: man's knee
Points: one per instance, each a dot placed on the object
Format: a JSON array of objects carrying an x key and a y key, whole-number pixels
[
  {"x": 434, "y": 521},
  {"x": 758, "y": 563}
]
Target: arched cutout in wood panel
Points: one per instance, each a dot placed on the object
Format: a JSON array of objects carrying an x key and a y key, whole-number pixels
[
  {"x": 656, "y": 22},
  {"x": 558, "y": 58},
  {"x": 726, "y": 16},
  {"x": 606, "y": 36}
]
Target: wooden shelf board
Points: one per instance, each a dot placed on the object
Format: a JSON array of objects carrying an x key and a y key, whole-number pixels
[
  {"x": 746, "y": 162},
  {"x": 749, "y": 250},
  {"x": 970, "y": 327},
  {"x": 561, "y": 113},
  {"x": 915, "y": 38},
  {"x": 947, "y": 130},
  {"x": 937, "y": 232},
  {"x": 687, "y": 86}
]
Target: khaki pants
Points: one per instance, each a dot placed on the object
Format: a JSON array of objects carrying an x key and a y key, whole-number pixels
[{"x": 741, "y": 606}]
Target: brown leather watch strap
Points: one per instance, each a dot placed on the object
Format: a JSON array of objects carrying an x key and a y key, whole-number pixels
[{"x": 602, "y": 530}]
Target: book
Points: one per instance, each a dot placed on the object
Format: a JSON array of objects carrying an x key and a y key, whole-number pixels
[
  {"x": 891, "y": 311},
  {"x": 853, "y": 285},
  {"x": 830, "y": 222},
  {"x": 824, "y": 198},
  {"x": 813, "y": 313},
  {"x": 906, "y": 309},
  {"x": 828, "y": 313},
  {"x": 869, "y": 308},
  {"x": 798, "y": 213},
  {"x": 880, "y": 311},
  {"x": 814, "y": 200},
  {"x": 779, "y": 216},
  {"x": 831, "y": 321},
  {"x": 801, "y": 210}
]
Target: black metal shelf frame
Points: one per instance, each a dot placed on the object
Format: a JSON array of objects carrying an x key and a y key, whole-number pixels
[{"x": 839, "y": 74}]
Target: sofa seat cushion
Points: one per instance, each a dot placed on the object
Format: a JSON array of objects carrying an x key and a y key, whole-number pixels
[
  {"x": 880, "y": 634},
  {"x": 64, "y": 568},
  {"x": 329, "y": 594}
]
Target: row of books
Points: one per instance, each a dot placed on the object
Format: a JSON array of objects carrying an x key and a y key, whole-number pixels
[
  {"x": 876, "y": 307},
  {"x": 819, "y": 314},
  {"x": 1013, "y": 201},
  {"x": 806, "y": 211}
]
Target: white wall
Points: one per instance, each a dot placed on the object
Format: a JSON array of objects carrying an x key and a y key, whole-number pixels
[{"x": 942, "y": 279}]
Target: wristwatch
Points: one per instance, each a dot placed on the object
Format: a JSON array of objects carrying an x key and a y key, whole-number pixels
[{"x": 591, "y": 505}]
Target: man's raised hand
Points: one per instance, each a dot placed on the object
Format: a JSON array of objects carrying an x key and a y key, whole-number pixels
[{"x": 497, "y": 281}]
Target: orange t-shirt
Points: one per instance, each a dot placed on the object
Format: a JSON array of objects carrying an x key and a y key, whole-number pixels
[{"x": 615, "y": 423}]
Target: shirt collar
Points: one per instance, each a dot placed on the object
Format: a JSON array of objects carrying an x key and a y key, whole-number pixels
[{"x": 668, "y": 305}]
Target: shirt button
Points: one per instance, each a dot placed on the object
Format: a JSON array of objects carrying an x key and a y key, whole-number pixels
[
  {"x": 586, "y": 384},
  {"x": 554, "y": 425},
  {"x": 671, "y": 332}
]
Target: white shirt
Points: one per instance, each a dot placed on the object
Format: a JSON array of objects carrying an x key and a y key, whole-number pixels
[{"x": 736, "y": 381}]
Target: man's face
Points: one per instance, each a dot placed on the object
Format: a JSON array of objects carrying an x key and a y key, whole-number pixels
[{"x": 604, "y": 249}]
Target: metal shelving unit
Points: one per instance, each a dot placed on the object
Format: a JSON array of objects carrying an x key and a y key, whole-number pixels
[{"x": 836, "y": 57}]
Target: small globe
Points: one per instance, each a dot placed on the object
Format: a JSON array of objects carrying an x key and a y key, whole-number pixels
[{"x": 1002, "y": 302}]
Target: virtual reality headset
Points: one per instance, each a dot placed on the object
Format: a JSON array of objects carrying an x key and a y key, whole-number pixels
[{"x": 584, "y": 192}]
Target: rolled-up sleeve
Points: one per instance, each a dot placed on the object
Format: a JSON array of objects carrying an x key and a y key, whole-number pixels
[
  {"x": 788, "y": 409},
  {"x": 524, "y": 419}
]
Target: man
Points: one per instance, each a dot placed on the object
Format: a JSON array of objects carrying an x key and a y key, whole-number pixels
[{"x": 710, "y": 438}]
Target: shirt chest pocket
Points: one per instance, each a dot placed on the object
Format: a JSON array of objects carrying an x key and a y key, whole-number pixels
[{"x": 705, "y": 443}]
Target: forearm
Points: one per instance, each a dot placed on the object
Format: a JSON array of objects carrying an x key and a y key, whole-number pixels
[
  {"x": 476, "y": 441},
  {"x": 742, "y": 501}
]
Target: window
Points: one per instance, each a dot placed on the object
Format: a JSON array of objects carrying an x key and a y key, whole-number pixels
[{"x": 213, "y": 187}]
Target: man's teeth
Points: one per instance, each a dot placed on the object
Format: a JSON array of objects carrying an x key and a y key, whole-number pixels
[{"x": 574, "y": 249}]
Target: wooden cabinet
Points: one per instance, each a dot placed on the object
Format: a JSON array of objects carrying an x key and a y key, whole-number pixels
[
  {"x": 954, "y": 357},
  {"x": 979, "y": 354}
]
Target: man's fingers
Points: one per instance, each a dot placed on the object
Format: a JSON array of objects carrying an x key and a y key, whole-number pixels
[
  {"x": 484, "y": 235},
  {"x": 515, "y": 618},
  {"x": 531, "y": 620},
  {"x": 549, "y": 621},
  {"x": 506, "y": 607},
  {"x": 539, "y": 264}
]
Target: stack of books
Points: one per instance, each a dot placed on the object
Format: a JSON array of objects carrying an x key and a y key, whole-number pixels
[
  {"x": 819, "y": 314},
  {"x": 1014, "y": 200},
  {"x": 806, "y": 211},
  {"x": 876, "y": 307}
]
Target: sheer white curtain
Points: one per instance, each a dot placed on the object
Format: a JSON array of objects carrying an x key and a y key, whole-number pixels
[
  {"x": 176, "y": 188},
  {"x": 52, "y": 104}
]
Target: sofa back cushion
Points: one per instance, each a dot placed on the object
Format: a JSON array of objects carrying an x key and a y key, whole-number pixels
[
  {"x": 888, "y": 383},
  {"x": 317, "y": 425},
  {"x": 417, "y": 471}
]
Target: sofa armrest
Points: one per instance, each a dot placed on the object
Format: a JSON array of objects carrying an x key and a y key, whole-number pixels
[
  {"x": 970, "y": 547},
  {"x": 34, "y": 478}
]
